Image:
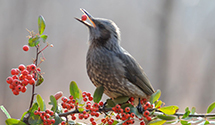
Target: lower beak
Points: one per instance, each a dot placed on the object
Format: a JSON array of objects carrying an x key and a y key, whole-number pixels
[{"x": 89, "y": 17}]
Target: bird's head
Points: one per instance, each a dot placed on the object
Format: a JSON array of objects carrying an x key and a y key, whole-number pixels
[{"x": 103, "y": 32}]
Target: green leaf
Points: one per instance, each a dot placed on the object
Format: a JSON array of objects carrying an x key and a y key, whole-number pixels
[
  {"x": 173, "y": 122},
  {"x": 44, "y": 37},
  {"x": 34, "y": 41},
  {"x": 41, "y": 103},
  {"x": 74, "y": 90},
  {"x": 54, "y": 103},
  {"x": 155, "y": 96},
  {"x": 57, "y": 119},
  {"x": 110, "y": 103},
  {"x": 135, "y": 111},
  {"x": 35, "y": 120},
  {"x": 5, "y": 111},
  {"x": 206, "y": 122},
  {"x": 193, "y": 110},
  {"x": 12, "y": 121},
  {"x": 158, "y": 103},
  {"x": 165, "y": 117},
  {"x": 123, "y": 106},
  {"x": 80, "y": 109},
  {"x": 98, "y": 94},
  {"x": 183, "y": 122},
  {"x": 40, "y": 80},
  {"x": 157, "y": 122},
  {"x": 186, "y": 114},
  {"x": 211, "y": 107},
  {"x": 34, "y": 107},
  {"x": 169, "y": 110},
  {"x": 41, "y": 24},
  {"x": 23, "y": 115},
  {"x": 121, "y": 99}
]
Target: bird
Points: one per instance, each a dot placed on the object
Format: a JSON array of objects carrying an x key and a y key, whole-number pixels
[{"x": 110, "y": 65}]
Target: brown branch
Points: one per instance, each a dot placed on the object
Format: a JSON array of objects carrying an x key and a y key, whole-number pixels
[{"x": 33, "y": 87}]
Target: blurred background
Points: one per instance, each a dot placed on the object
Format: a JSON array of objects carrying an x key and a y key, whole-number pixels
[{"x": 173, "y": 41}]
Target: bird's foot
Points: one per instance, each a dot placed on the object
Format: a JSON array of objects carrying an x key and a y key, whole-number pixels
[{"x": 140, "y": 107}]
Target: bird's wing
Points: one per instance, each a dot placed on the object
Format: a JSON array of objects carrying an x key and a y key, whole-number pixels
[{"x": 134, "y": 73}]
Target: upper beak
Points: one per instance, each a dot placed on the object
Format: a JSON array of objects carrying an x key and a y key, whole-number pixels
[{"x": 89, "y": 17}]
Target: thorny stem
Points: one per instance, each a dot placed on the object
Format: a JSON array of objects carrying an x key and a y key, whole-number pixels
[{"x": 33, "y": 87}]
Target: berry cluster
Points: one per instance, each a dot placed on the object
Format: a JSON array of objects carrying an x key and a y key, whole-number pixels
[
  {"x": 91, "y": 108},
  {"x": 127, "y": 116},
  {"x": 46, "y": 116},
  {"x": 21, "y": 77}
]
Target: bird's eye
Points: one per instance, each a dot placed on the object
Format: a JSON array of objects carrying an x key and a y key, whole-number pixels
[{"x": 101, "y": 26}]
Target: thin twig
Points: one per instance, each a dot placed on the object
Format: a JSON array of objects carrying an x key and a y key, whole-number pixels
[{"x": 33, "y": 87}]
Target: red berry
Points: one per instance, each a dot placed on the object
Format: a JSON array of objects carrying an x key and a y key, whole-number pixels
[
  {"x": 14, "y": 77},
  {"x": 132, "y": 115},
  {"x": 24, "y": 82},
  {"x": 24, "y": 89},
  {"x": 88, "y": 94},
  {"x": 97, "y": 114},
  {"x": 120, "y": 110},
  {"x": 83, "y": 17},
  {"x": 91, "y": 98},
  {"x": 36, "y": 112},
  {"x": 84, "y": 99},
  {"x": 131, "y": 99},
  {"x": 38, "y": 69},
  {"x": 142, "y": 123},
  {"x": 15, "y": 82},
  {"x": 103, "y": 120},
  {"x": 93, "y": 123},
  {"x": 21, "y": 77},
  {"x": 63, "y": 123},
  {"x": 110, "y": 122},
  {"x": 101, "y": 103},
  {"x": 72, "y": 106},
  {"x": 25, "y": 47},
  {"x": 18, "y": 88},
  {"x": 47, "y": 116},
  {"x": 53, "y": 121},
  {"x": 127, "y": 109},
  {"x": 25, "y": 72},
  {"x": 31, "y": 82},
  {"x": 81, "y": 116},
  {"x": 118, "y": 106},
  {"x": 149, "y": 118},
  {"x": 29, "y": 77},
  {"x": 146, "y": 113},
  {"x": 9, "y": 80},
  {"x": 148, "y": 104},
  {"x": 13, "y": 71},
  {"x": 32, "y": 67},
  {"x": 84, "y": 112},
  {"x": 117, "y": 116},
  {"x": 73, "y": 101},
  {"x": 91, "y": 119},
  {"x": 15, "y": 92},
  {"x": 11, "y": 86},
  {"x": 70, "y": 97},
  {"x": 73, "y": 117},
  {"x": 51, "y": 113},
  {"x": 21, "y": 67}
]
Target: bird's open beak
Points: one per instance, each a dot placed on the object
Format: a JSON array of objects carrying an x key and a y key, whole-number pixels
[{"x": 89, "y": 17}]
